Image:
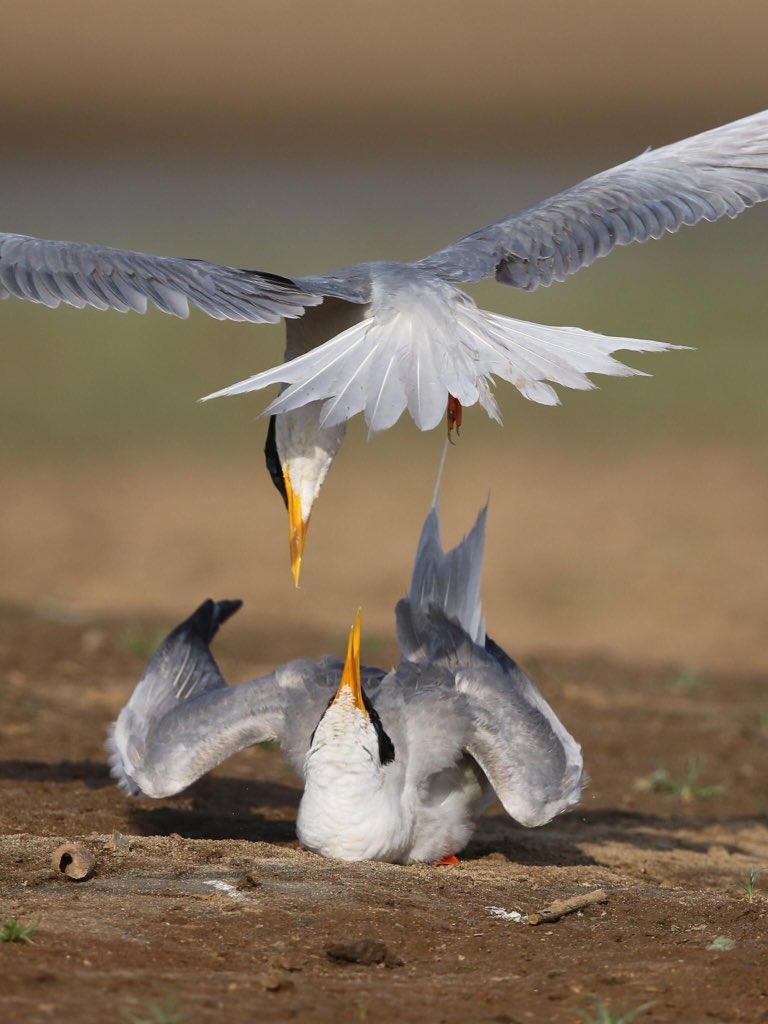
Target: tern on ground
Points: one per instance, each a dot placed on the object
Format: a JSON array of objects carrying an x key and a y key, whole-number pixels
[
  {"x": 381, "y": 337},
  {"x": 396, "y": 766}
]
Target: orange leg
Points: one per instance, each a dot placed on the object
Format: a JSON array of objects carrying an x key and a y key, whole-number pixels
[
  {"x": 451, "y": 861},
  {"x": 453, "y": 416}
]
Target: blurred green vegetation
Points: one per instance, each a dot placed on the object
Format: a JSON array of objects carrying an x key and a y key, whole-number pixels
[{"x": 82, "y": 384}]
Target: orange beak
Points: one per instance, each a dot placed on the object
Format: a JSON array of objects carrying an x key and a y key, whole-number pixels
[
  {"x": 297, "y": 528},
  {"x": 350, "y": 678}
]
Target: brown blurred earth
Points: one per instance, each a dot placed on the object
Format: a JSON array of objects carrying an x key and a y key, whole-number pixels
[{"x": 204, "y": 906}]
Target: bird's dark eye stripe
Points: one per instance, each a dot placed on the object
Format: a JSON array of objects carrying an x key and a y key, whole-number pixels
[
  {"x": 386, "y": 746},
  {"x": 273, "y": 461}
]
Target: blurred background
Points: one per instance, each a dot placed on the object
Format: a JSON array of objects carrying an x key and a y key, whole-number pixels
[{"x": 296, "y": 137}]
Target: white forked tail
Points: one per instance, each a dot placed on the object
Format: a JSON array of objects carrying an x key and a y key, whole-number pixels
[
  {"x": 419, "y": 351},
  {"x": 450, "y": 581}
]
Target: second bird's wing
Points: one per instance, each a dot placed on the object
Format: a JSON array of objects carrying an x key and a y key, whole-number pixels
[
  {"x": 529, "y": 757},
  {"x": 496, "y": 713},
  {"x": 52, "y": 272},
  {"x": 183, "y": 719},
  {"x": 718, "y": 173}
]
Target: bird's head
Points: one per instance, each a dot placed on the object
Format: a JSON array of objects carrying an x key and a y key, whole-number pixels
[
  {"x": 350, "y": 732},
  {"x": 299, "y": 453}
]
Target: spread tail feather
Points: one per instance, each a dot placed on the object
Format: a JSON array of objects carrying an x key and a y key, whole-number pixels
[{"x": 417, "y": 357}]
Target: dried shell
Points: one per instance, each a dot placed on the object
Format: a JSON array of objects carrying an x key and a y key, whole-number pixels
[{"x": 73, "y": 860}]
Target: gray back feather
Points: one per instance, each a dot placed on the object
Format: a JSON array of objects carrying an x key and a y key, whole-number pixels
[{"x": 428, "y": 636}]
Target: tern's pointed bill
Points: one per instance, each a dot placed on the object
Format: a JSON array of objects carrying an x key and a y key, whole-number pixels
[
  {"x": 350, "y": 679},
  {"x": 297, "y": 528}
]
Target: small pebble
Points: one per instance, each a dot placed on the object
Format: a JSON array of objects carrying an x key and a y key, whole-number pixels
[
  {"x": 250, "y": 880},
  {"x": 364, "y": 951},
  {"x": 119, "y": 843},
  {"x": 272, "y": 982}
]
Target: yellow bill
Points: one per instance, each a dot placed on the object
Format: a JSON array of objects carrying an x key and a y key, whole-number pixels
[
  {"x": 350, "y": 678},
  {"x": 297, "y": 528}
]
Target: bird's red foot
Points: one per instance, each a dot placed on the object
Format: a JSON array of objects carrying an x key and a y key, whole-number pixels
[
  {"x": 451, "y": 861},
  {"x": 453, "y": 416}
]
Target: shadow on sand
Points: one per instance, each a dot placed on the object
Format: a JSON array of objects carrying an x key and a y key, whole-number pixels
[{"x": 265, "y": 811}]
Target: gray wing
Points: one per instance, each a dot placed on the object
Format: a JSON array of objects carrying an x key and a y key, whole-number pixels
[
  {"x": 533, "y": 763},
  {"x": 715, "y": 174},
  {"x": 530, "y": 759},
  {"x": 353, "y": 283},
  {"x": 450, "y": 580},
  {"x": 183, "y": 719},
  {"x": 81, "y": 275}
]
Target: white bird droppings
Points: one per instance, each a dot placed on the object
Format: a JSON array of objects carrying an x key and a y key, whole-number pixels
[
  {"x": 226, "y": 889},
  {"x": 507, "y": 915}
]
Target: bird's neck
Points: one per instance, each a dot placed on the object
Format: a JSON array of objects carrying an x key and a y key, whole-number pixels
[
  {"x": 306, "y": 448},
  {"x": 343, "y": 765},
  {"x": 348, "y": 811}
]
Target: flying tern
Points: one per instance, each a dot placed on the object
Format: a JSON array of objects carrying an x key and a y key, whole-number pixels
[
  {"x": 381, "y": 337},
  {"x": 396, "y": 766}
]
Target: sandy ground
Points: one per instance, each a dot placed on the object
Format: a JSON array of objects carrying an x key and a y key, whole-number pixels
[
  {"x": 633, "y": 588},
  {"x": 155, "y": 926},
  {"x": 655, "y": 556}
]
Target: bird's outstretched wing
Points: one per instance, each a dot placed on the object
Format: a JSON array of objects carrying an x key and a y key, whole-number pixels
[
  {"x": 183, "y": 719},
  {"x": 529, "y": 757},
  {"x": 718, "y": 173},
  {"x": 81, "y": 275}
]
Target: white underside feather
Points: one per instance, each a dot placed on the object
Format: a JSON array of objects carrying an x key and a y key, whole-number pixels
[{"x": 429, "y": 341}]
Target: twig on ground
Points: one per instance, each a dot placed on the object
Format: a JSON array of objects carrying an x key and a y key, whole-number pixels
[{"x": 559, "y": 908}]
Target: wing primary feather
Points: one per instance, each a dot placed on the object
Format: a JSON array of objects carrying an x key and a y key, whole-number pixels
[
  {"x": 450, "y": 581},
  {"x": 98, "y": 276},
  {"x": 717, "y": 173}
]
